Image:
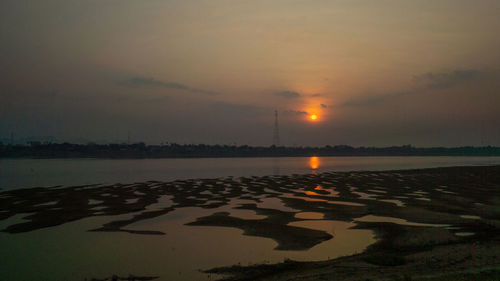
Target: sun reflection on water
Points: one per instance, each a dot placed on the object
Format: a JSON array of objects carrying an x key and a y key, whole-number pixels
[
  {"x": 307, "y": 192},
  {"x": 314, "y": 162}
]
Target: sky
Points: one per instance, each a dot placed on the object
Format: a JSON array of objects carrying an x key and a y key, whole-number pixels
[{"x": 375, "y": 72}]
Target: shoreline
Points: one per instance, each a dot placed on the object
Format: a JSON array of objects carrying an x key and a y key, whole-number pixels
[
  {"x": 396, "y": 256},
  {"x": 29, "y": 173},
  {"x": 242, "y": 156},
  {"x": 173, "y": 150},
  {"x": 447, "y": 195}
]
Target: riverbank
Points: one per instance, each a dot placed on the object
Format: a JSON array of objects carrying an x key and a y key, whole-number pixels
[
  {"x": 173, "y": 150},
  {"x": 405, "y": 252},
  {"x": 434, "y": 257},
  {"x": 425, "y": 221}
]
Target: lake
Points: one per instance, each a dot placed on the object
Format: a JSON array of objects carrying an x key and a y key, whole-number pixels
[{"x": 22, "y": 173}]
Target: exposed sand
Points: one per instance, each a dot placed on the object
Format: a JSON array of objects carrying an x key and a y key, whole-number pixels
[{"x": 465, "y": 198}]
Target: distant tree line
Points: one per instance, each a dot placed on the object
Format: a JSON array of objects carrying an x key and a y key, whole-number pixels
[{"x": 173, "y": 150}]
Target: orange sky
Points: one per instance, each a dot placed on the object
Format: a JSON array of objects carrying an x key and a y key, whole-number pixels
[{"x": 374, "y": 72}]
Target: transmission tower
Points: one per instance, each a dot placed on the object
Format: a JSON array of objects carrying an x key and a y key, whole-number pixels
[{"x": 276, "y": 136}]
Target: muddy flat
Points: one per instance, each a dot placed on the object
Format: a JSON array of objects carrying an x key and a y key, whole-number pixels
[{"x": 427, "y": 223}]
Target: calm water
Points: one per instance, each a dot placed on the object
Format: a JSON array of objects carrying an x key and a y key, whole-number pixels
[
  {"x": 22, "y": 173},
  {"x": 70, "y": 252}
]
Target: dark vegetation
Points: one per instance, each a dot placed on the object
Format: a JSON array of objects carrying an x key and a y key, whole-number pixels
[
  {"x": 173, "y": 150},
  {"x": 129, "y": 278}
]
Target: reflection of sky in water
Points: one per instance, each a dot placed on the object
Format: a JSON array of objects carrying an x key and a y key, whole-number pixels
[
  {"x": 471, "y": 217},
  {"x": 463, "y": 234},
  {"x": 330, "y": 191},
  {"x": 372, "y": 218},
  {"x": 274, "y": 203},
  {"x": 19, "y": 173},
  {"x": 344, "y": 239},
  {"x": 309, "y": 215},
  {"x": 69, "y": 251},
  {"x": 398, "y": 203},
  {"x": 307, "y": 192}
]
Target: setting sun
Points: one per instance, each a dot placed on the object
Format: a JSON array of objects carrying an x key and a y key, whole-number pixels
[{"x": 313, "y": 117}]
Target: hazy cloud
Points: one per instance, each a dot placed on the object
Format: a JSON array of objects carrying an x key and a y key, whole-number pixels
[
  {"x": 295, "y": 112},
  {"x": 154, "y": 99},
  {"x": 447, "y": 79},
  {"x": 287, "y": 94},
  {"x": 429, "y": 81},
  {"x": 202, "y": 91},
  {"x": 293, "y": 95},
  {"x": 151, "y": 82},
  {"x": 367, "y": 101}
]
